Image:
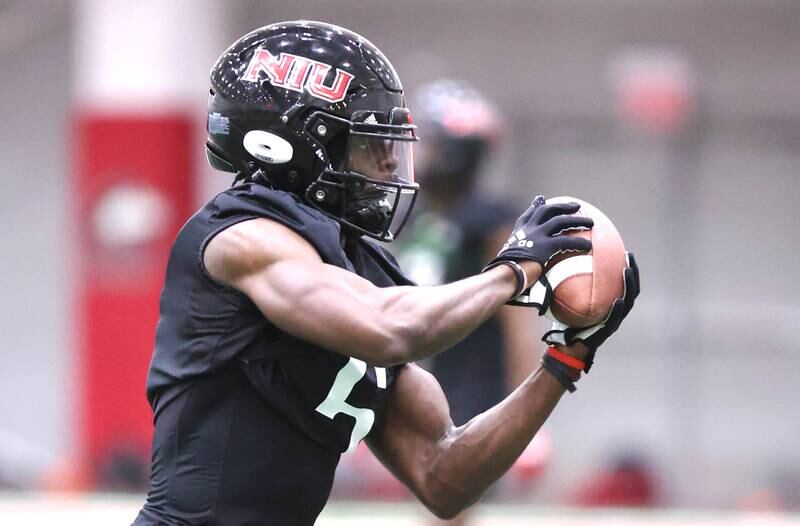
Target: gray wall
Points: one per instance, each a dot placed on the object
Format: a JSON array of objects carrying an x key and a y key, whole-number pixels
[
  {"x": 701, "y": 379},
  {"x": 36, "y": 370}
]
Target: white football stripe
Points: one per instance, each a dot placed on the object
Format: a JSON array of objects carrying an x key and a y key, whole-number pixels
[{"x": 569, "y": 267}]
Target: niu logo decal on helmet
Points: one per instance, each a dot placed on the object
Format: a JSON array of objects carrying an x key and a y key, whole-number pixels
[
  {"x": 333, "y": 129},
  {"x": 295, "y": 73}
]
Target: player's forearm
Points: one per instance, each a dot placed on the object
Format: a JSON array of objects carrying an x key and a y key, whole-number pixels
[
  {"x": 475, "y": 455},
  {"x": 428, "y": 320}
]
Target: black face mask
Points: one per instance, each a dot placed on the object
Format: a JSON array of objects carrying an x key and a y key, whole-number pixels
[{"x": 370, "y": 188}]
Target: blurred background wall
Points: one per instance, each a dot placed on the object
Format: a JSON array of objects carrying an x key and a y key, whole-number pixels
[{"x": 702, "y": 178}]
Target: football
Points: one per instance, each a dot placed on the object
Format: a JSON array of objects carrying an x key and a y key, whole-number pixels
[{"x": 586, "y": 285}]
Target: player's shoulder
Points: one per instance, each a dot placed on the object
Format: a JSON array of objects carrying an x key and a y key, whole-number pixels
[
  {"x": 249, "y": 246},
  {"x": 261, "y": 239},
  {"x": 258, "y": 225},
  {"x": 253, "y": 200}
]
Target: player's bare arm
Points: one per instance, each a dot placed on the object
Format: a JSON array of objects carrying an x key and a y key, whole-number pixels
[
  {"x": 283, "y": 275},
  {"x": 448, "y": 468}
]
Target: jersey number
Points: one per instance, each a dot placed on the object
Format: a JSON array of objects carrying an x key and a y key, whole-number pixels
[{"x": 335, "y": 403}]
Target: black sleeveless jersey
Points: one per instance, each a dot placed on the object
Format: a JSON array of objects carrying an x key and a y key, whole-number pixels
[{"x": 322, "y": 400}]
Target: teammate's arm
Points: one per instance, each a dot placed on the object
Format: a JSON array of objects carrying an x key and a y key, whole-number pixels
[{"x": 448, "y": 468}]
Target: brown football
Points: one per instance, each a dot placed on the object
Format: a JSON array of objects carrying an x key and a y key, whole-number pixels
[{"x": 586, "y": 285}]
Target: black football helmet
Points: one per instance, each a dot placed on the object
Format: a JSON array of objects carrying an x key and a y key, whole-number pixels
[
  {"x": 319, "y": 111},
  {"x": 460, "y": 127}
]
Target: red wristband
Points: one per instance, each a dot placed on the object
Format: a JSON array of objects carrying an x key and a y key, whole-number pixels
[{"x": 565, "y": 358}]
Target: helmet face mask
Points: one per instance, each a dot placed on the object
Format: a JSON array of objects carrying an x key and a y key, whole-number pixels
[
  {"x": 371, "y": 187},
  {"x": 333, "y": 128}
]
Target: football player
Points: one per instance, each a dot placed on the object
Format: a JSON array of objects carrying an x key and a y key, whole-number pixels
[{"x": 285, "y": 333}]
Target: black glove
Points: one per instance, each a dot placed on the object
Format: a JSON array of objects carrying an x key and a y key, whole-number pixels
[
  {"x": 537, "y": 236},
  {"x": 594, "y": 336}
]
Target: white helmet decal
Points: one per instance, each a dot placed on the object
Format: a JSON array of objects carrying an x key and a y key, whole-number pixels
[
  {"x": 268, "y": 147},
  {"x": 297, "y": 73}
]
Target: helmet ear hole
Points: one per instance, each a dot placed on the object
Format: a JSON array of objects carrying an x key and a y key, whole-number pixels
[{"x": 268, "y": 147}]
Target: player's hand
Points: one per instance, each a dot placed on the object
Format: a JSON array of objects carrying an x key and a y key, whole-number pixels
[
  {"x": 538, "y": 235},
  {"x": 595, "y": 335}
]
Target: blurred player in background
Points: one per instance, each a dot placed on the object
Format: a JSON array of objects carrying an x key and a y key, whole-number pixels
[
  {"x": 286, "y": 336},
  {"x": 455, "y": 229}
]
